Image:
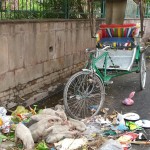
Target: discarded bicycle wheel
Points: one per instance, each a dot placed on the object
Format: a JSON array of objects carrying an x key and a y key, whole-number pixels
[{"x": 84, "y": 95}]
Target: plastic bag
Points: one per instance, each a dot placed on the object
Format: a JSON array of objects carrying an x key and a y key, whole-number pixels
[
  {"x": 3, "y": 111},
  {"x": 111, "y": 145},
  {"x": 129, "y": 101},
  {"x": 6, "y": 124}
]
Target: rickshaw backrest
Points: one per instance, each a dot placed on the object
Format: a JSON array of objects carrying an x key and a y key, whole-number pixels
[{"x": 116, "y": 30}]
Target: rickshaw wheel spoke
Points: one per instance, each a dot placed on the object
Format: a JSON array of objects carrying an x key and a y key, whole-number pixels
[{"x": 85, "y": 98}]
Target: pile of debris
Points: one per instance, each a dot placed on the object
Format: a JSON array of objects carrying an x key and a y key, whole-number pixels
[
  {"x": 51, "y": 129},
  {"x": 39, "y": 130}
]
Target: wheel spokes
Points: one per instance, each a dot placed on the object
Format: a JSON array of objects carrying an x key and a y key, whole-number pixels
[{"x": 84, "y": 92}]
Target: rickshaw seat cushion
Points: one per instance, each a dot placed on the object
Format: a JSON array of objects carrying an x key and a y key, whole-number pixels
[{"x": 118, "y": 39}]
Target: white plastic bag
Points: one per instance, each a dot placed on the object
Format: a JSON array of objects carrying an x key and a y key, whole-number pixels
[{"x": 111, "y": 145}]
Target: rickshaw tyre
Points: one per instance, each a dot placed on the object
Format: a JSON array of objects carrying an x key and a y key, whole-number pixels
[
  {"x": 142, "y": 72},
  {"x": 68, "y": 111}
]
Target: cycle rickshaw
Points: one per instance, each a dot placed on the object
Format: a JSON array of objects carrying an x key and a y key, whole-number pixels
[{"x": 118, "y": 52}]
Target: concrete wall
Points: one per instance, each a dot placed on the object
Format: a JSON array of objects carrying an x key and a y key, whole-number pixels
[{"x": 35, "y": 54}]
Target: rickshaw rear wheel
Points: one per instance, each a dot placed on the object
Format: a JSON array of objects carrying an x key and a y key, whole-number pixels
[
  {"x": 84, "y": 95},
  {"x": 142, "y": 71}
]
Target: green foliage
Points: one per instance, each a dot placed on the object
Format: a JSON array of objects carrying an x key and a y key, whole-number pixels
[
  {"x": 34, "y": 9},
  {"x": 45, "y": 9}
]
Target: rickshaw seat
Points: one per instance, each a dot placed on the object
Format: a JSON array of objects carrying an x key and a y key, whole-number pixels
[
  {"x": 116, "y": 33},
  {"x": 122, "y": 59}
]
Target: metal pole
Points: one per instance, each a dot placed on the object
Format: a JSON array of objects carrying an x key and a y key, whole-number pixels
[
  {"x": 141, "y": 16},
  {"x": 91, "y": 18}
]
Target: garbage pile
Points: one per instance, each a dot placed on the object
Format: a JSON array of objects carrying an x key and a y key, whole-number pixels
[
  {"x": 52, "y": 129},
  {"x": 40, "y": 130}
]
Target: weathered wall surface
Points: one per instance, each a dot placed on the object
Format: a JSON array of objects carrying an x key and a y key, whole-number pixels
[{"x": 35, "y": 54}]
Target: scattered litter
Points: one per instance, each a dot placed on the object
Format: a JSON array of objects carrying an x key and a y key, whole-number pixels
[
  {"x": 126, "y": 146},
  {"x": 70, "y": 144},
  {"x": 6, "y": 144},
  {"x": 42, "y": 146},
  {"x": 20, "y": 114},
  {"x": 20, "y": 110},
  {"x": 109, "y": 133},
  {"x": 143, "y": 123},
  {"x": 91, "y": 132},
  {"x": 131, "y": 116},
  {"x": 132, "y": 135},
  {"x": 120, "y": 119},
  {"x": 51, "y": 129},
  {"x": 4, "y": 120},
  {"x": 120, "y": 127},
  {"x": 129, "y": 101},
  {"x": 132, "y": 126},
  {"x": 125, "y": 139},
  {"x": 111, "y": 145},
  {"x": 103, "y": 121},
  {"x": 97, "y": 142},
  {"x": 141, "y": 136},
  {"x": 3, "y": 111},
  {"x": 141, "y": 142}
]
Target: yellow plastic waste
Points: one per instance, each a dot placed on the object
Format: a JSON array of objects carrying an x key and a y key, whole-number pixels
[
  {"x": 132, "y": 126},
  {"x": 20, "y": 110},
  {"x": 1, "y": 122},
  {"x": 18, "y": 114},
  {"x": 124, "y": 139}
]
